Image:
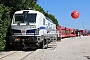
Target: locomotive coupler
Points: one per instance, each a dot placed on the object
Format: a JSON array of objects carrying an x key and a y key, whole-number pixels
[{"x": 23, "y": 43}]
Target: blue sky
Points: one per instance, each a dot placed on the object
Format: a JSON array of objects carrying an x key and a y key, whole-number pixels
[{"x": 62, "y": 9}]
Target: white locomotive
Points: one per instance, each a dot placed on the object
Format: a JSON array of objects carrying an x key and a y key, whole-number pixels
[{"x": 28, "y": 28}]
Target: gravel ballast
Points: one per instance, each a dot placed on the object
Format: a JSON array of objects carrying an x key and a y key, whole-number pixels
[{"x": 68, "y": 49}]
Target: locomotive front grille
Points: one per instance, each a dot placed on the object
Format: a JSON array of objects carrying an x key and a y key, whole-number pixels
[
  {"x": 16, "y": 32},
  {"x": 32, "y": 32}
]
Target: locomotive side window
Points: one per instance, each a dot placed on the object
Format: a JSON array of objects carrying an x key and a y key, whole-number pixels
[
  {"x": 43, "y": 21},
  {"x": 48, "y": 24}
]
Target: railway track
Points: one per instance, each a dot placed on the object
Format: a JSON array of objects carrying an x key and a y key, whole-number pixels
[
  {"x": 16, "y": 55},
  {"x": 7, "y": 55},
  {"x": 26, "y": 55}
]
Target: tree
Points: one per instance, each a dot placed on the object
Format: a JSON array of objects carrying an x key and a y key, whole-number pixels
[
  {"x": 4, "y": 23},
  {"x": 7, "y": 9}
]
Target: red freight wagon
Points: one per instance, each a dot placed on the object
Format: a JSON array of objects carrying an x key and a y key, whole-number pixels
[
  {"x": 67, "y": 31},
  {"x": 83, "y": 32},
  {"x": 58, "y": 33},
  {"x": 63, "y": 32},
  {"x": 72, "y": 32}
]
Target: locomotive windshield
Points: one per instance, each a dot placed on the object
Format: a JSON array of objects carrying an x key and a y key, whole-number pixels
[{"x": 24, "y": 18}]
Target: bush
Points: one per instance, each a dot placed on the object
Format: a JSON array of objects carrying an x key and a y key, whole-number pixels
[{"x": 4, "y": 23}]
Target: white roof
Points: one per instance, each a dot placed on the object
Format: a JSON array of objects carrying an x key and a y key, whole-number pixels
[{"x": 30, "y": 11}]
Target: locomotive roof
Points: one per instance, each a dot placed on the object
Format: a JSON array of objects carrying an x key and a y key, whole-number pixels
[{"x": 30, "y": 11}]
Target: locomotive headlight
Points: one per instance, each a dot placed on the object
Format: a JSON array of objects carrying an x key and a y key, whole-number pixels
[{"x": 37, "y": 31}]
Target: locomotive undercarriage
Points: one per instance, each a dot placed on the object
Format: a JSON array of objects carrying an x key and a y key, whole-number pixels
[{"x": 23, "y": 42}]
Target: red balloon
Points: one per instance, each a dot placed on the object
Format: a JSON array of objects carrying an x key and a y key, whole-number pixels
[{"x": 75, "y": 14}]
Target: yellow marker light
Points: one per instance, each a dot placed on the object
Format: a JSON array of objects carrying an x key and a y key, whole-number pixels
[
  {"x": 10, "y": 43},
  {"x": 36, "y": 43},
  {"x": 18, "y": 39}
]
